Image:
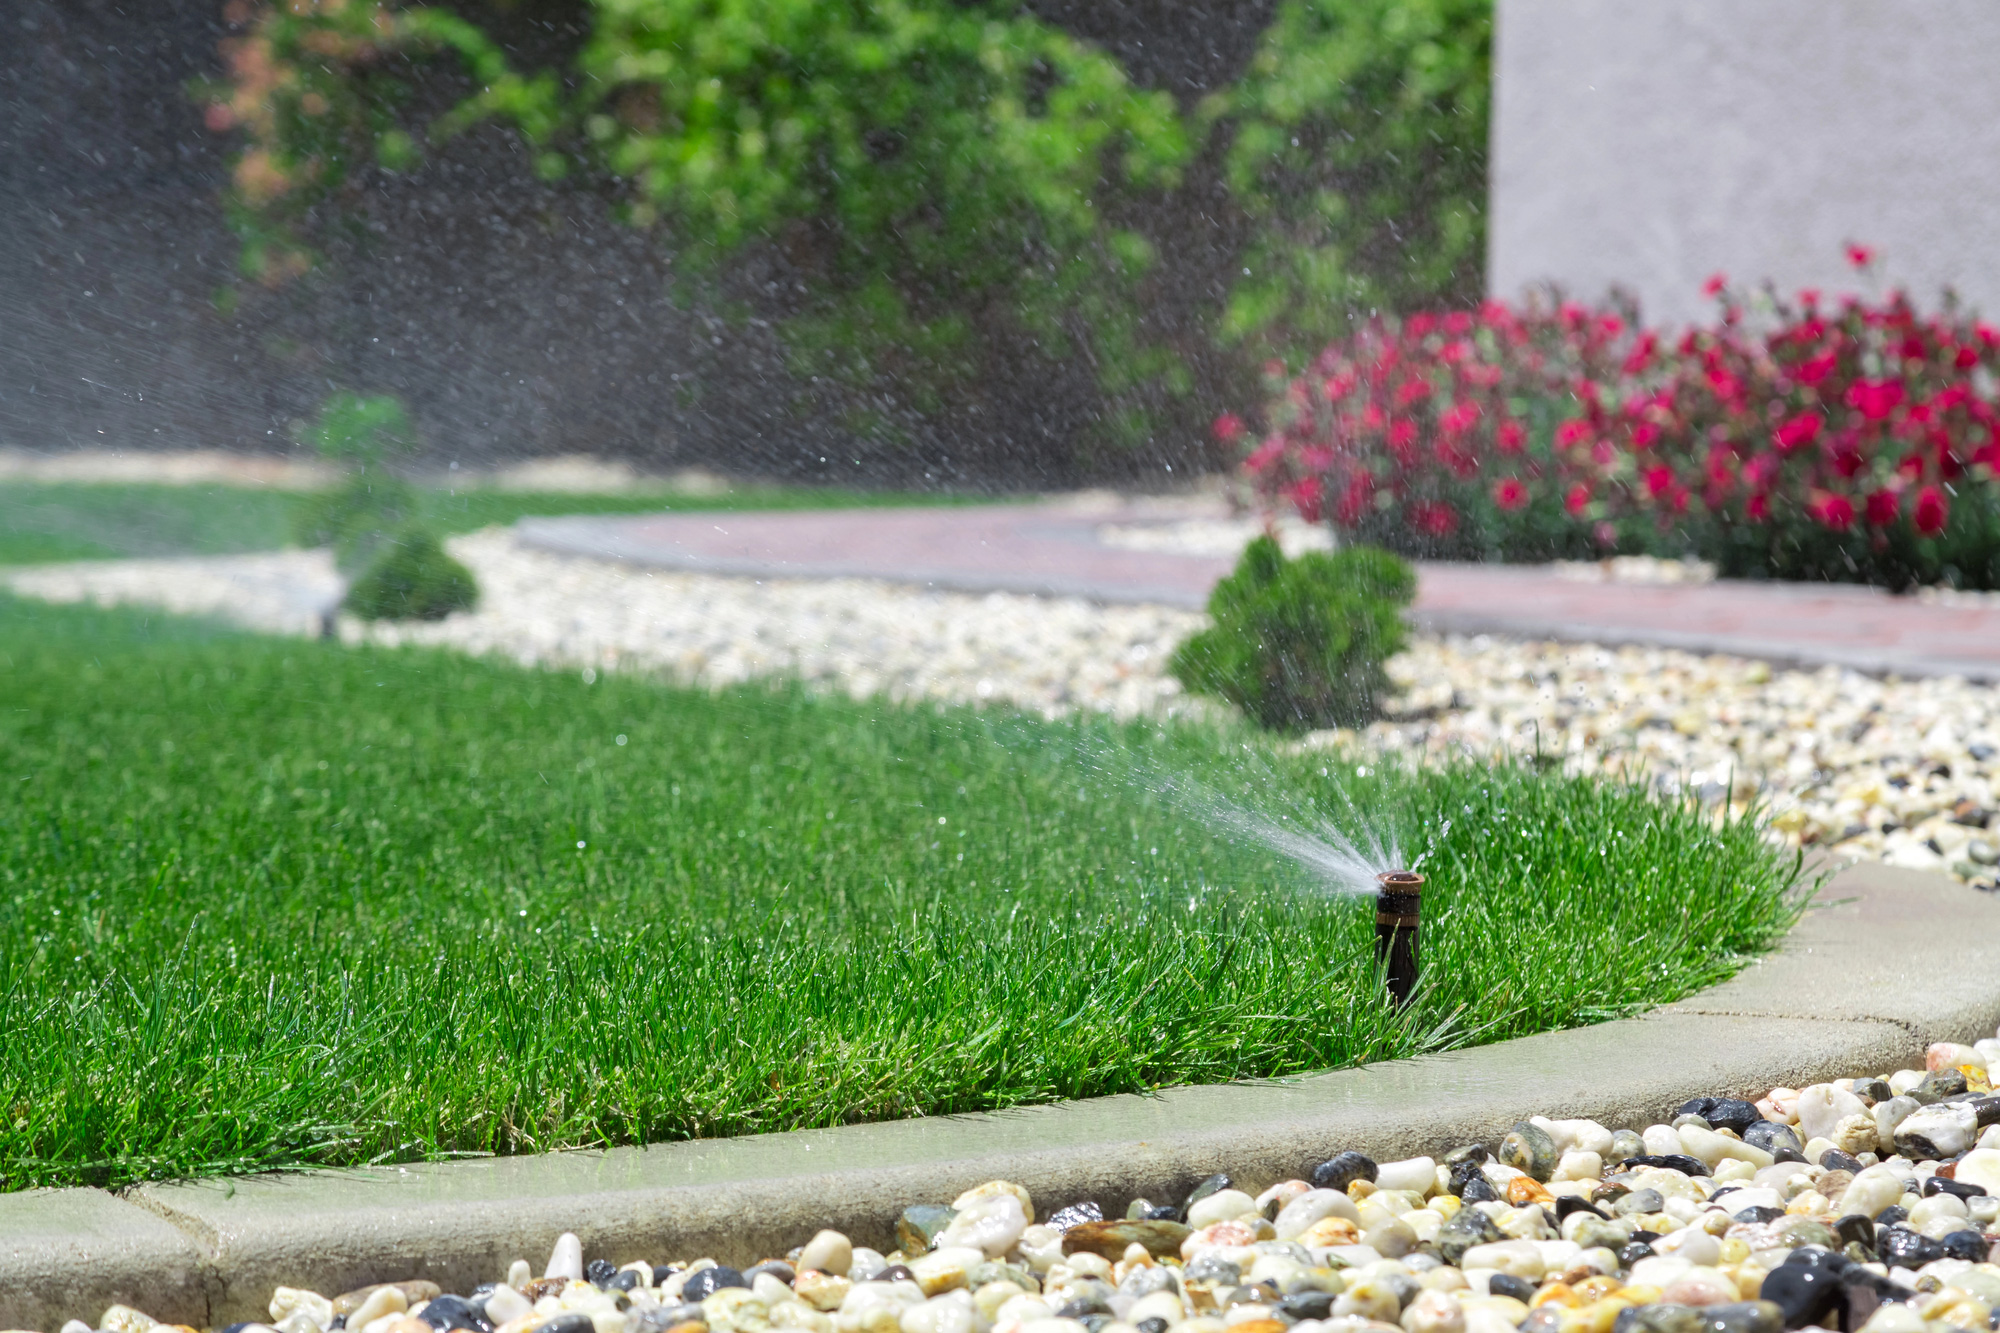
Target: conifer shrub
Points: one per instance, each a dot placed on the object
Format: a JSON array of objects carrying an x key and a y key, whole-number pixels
[
  {"x": 1299, "y": 644},
  {"x": 412, "y": 578}
]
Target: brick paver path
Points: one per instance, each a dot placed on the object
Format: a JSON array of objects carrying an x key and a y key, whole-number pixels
[{"x": 1055, "y": 551}]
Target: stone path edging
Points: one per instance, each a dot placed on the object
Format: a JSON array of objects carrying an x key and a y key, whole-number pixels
[{"x": 1887, "y": 961}]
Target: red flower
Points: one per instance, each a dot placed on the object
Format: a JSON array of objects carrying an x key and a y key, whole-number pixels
[
  {"x": 1510, "y": 493},
  {"x": 1931, "y": 511},
  {"x": 1644, "y": 434},
  {"x": 1572, "y": 432},
  {"x": 1577, "y": 500},
  {"x": 1875, "y": 399},
  {"x": 1715, "y": 283},
  {"x": 1758, "y": 507},
  {"x": 1461, "y": 418},
  {"x": 1658, "y": 479},
  {"x": 1798, "y": 432},
  {"x": 1355, "y": 500},
  {"x": 1307, "y": 497},
  {"x": 1818, "y": 368},
  {"x": 1412, "y": 391},
  {"x": 1403, "y": 435},
  {"x": 1861, "y": 256},
  {"x": 1881, "y": 507},
  {"x": 1228, "y": 428},
  {"x": 1264, "y": 455},
  {"x": 1511, "y": 438},
  {"x": 1337, "y": 387},
  {"x": 1434, "y": 518},
  {"x": 1834, "y": 511}
]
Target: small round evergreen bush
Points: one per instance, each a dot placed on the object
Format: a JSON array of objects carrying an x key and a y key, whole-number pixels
[
  {"x": 412, "y": 579},
  {"x": 1299, "y": 644}
]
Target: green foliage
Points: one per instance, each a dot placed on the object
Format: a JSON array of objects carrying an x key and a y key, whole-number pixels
[
  {"x": 365, "y": 432},
  {"x": 1299, "y": 644},
  {"x": 281, "y": 903},
  {"x": 963, "y": 188},
  {"x": 1359, "y": 147},
  {"x": 411, "y": 578},
  {"x": 357, "y": 516}
]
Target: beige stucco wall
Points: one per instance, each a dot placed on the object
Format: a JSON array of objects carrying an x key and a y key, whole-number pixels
[{"x": 1650, "y": 143}]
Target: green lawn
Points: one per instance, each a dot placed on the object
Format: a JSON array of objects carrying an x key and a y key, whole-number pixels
[
  {"x": 274, "y": 902},
  {"x": 43, "y": 521}
]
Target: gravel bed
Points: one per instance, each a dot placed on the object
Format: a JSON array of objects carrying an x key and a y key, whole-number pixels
[
  {"x": 1866, "y": 1204},
  {"x": 1901, "y": 770}
]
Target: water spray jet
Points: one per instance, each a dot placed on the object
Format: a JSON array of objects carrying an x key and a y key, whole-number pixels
[{"x": 1398, "y": 912}]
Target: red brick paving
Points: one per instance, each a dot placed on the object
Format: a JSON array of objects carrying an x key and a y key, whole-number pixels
[{"x": 1053, "y": 550}]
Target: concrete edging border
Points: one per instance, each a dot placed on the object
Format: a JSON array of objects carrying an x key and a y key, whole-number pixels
[{"x": 1887, "y": 961}]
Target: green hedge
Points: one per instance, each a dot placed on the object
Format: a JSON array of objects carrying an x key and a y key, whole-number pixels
[{"x": 967, "y": 193}]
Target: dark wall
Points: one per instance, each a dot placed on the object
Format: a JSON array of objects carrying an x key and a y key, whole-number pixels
[{"x": 514, "y": 317}]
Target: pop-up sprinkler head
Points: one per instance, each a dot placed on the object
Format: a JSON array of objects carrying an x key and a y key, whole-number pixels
[{"x": 1398, "y": 910}]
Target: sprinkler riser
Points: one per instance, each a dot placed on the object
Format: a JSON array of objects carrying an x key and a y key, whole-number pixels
[{"x": 1398, "y": 914}]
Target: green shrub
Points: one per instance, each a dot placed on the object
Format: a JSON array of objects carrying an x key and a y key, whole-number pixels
[
  {"x": 965, "y": 196},
  {"x": 1299, "y": 644},
  {"x": 412, "y": 579},
  {"x": 362, "y": 434}
]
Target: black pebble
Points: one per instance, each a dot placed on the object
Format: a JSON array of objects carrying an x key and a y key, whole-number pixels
[
  {"x": 1723, "y": 1113},
  {"x": 1080, "y": 1307},
  {"x": 1215, "y": 1184},
  {"x": 623, "y": 1280},
  {"x": 1855, "y": 1229},
  {"x": 708, "y": 1281},
  {"x": 1967, "y": 1245},
  {"x": 1506, "y": 1284},
  {"x": 895, "y": 1273},
  {"x": 1569, "y": 1203},
  {"x": 1093, "y": 1322},
  {"x": 1671, "y": 1161},
  {"x": 1939, "y": 1185},
  {"x": 1153, "y": 1325},
  {"x": 1165, "y": 1212},
  {"x": 454, "y": 1312},
  {"x": 1302, "y": 1305},
  {"x": 661, "y": 1272},
  {"x": 1760, "y": 1213},
  {"x": 1771, "y": 1136},
  {"x": 1062, "y": 1219},
  {"x": 1632, "y": 1251},
  {"x": 599, "y": 1271},
  {"x": 1900, "y": 1245},
  {"x": 1833, "y": 1159},
  {"x": 777, "y": 1268},
  {"x": 1806, "y": 1293},
  {"x": 1891, "y": 1215},
  {"x": 1343, "y": 1169},
  {"x": 1873, "y": 1091},
  {"x": 567, "y": 1323},
  {"x": 1479, "y": 1190}
]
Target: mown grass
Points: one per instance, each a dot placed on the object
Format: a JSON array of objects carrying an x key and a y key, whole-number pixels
[
  {"x": 276, "y": 903},
  {"x": 47, "y": 521}
]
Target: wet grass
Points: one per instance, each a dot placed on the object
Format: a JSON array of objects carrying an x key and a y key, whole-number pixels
[
  {"x": 48, "y": 521},
  {"x": 278, "y": 903}
]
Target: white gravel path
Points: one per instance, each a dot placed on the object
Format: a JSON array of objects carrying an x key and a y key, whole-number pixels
[{"x": 1899, "y": 769}]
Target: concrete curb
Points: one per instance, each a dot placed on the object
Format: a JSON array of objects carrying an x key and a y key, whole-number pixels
[{"x": 1888, "y": 961}]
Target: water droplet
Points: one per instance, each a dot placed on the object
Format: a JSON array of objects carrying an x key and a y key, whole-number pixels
[
  {"x": 621, "y": 739},
  {"x": 579, "y": 844}
]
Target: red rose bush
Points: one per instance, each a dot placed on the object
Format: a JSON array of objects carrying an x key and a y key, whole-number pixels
[{"x": 1807, "y": 440}]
